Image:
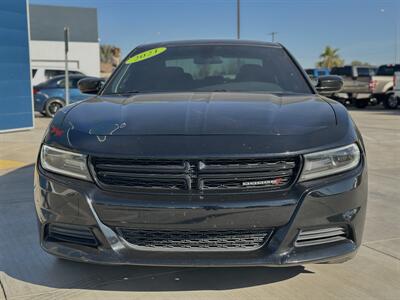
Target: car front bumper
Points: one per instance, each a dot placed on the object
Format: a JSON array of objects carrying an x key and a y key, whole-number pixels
[{"x": 336, "y": 201}]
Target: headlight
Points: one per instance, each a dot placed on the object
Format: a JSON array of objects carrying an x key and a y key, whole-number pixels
[
  {"x": 325, "y": 163},
  {"x": 64, "y": 162}
]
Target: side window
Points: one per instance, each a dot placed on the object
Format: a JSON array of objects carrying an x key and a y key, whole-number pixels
[
  {"x": 74, "y": 82},
  {"x": 75, "y": 73},
  {"x": 61, "y": 83},
  {"x": 363, "y": 72},
  {"x": 34, "y": 72},
  {"x": 52, "y": 73}
]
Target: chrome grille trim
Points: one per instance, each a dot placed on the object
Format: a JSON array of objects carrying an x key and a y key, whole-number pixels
[{"x": 320, "y": 236}]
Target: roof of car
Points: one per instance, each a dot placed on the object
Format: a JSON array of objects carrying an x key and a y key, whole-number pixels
[
  {"x": 58, "y": 77},
  {"x": 210, "y": 42}
]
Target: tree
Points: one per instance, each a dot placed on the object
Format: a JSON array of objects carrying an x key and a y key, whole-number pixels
[
  {"x": 330, "y": 58},
  {"x": 360, "y": 63},
  {"x": 106, "y": 53}
]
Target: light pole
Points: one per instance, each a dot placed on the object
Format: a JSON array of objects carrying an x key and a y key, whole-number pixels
[
  {"x": 66, "y": 40},
  {"x": 238, "y": 18},
  {"x": 273, "y": 34}
]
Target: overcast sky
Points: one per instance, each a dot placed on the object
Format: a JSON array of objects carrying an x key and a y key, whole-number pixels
[{"x": 362, "y": 29}]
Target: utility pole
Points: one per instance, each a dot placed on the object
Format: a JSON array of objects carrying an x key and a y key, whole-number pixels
[
  {"x": 238, "y": 18},
  {"x": 396, "y": 40},
  {"x": 273, "y": 34},
  {"x": 66, "y": 40}
]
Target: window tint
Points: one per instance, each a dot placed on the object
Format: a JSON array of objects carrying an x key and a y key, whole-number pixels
[
  {"x": 363, "y": 72},
  {"x": 73, "y": 83},
  {"x": 320, "y": 73},
  {"x": 387, "y": 70},
  {"x": 75, "y": 73},
  {"x": 52, "y": 73},
  {"x": 342, "y": 71},
  {"x": 211, "y": 68}
]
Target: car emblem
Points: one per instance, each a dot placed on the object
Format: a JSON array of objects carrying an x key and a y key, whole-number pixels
[{"x": 262, "y": 182}]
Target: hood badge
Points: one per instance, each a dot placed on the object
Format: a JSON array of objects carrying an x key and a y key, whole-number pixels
[{"x": 276, "y": 181}]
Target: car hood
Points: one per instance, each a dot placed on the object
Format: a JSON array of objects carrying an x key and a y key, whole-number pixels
[
  {"x": 196, "y": 124},
  {"x": 202, "y": 114}
]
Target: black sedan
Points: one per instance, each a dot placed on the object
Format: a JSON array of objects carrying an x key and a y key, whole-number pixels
[{"x": 203, "y": 153}]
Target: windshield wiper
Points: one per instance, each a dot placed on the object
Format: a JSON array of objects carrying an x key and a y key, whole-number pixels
[{"x": 131, "y": 92}]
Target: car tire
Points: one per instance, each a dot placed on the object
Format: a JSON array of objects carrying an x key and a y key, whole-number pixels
[
  {"x": 361, "y": 103},
  {"x": 52, "y": 107},
  {"x": 391, "y": 101}
]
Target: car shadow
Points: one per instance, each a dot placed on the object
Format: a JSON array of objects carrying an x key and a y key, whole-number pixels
[{"x": 22, "y": 258}]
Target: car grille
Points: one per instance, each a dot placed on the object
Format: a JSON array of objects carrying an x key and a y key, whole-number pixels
[
  {"x": 207, "y": 240},
  {"x": 201, "y": 175}
]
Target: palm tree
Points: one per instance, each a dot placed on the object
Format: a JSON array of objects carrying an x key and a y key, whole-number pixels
[
  {"x": 330, "y": 58},
  {"x": 106, "y": 53}
]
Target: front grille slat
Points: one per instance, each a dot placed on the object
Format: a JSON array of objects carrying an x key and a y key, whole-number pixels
[
  {"x": 251, "y": 175},
  {"x": 312, "y": 237},
  {"x": 196, "y": 175},
  {"x": 141, "y": 168},
  {"x": 72, "y": 234},
  {"x": 185, "y": 240},
  {"x": 243, "y": 166}
]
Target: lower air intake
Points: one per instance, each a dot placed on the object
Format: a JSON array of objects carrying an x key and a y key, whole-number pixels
[
  {"x": 71, "y": 234},
  {"x": 320, "y": 236},
  {"x": 207, "y": 240}
]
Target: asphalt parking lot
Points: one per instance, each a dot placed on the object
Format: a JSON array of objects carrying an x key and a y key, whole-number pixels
[{"x": 26, "y": 272}]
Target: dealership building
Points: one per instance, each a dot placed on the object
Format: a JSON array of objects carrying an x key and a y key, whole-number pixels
[
  {"x": 47, "y": 38},
  {"x": 32, "y": 39}
]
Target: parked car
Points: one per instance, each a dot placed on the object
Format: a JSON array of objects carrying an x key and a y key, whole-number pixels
[
  {"x": 317, "y": 72},
  {"x": 203, "y": 153},
  {"x": 41, "y": 74},
  {"x": 49, "y": 96},
  {"x": 381, "y": 86},
  {"x": 356, "y": 84}
]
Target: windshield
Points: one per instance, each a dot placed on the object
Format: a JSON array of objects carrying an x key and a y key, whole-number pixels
[
  {"x": 208, "y": 68},
  {"x": 387, "y": 70}
]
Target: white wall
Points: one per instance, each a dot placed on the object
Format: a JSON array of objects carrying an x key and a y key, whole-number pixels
[{"x": 84, "y": 57}]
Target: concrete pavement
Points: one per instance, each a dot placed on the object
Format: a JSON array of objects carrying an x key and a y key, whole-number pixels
[{"x": 26, "y": 272}]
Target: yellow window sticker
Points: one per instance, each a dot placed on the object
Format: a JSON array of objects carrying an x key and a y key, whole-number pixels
[{"x": 145, "y": 55}]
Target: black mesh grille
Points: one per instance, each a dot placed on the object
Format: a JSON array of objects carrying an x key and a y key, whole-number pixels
[
  {"x": 201, "y": 175},
  {"x": 72, "y": 234},
  {"x": 196, "y": 240}
]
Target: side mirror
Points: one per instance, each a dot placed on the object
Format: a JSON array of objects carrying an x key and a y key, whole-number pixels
[
  {"x": 90, "y": 85},
  {"x": 329, "y": 84}
]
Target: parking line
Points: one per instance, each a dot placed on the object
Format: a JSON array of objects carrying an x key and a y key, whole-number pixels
[{"x": 11, "y": 164}]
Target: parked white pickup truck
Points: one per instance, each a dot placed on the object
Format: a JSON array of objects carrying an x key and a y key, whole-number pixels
[{"x": 381, "y": 85}]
